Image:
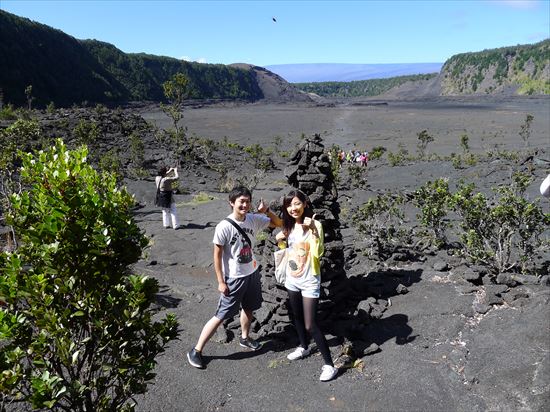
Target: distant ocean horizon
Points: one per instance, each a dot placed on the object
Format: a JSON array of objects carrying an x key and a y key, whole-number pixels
[{"x": 342, "y": 72}]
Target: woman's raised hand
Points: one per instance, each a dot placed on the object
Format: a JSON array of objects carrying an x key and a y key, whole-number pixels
[
  {"x": 309, "y": 222},
  {"x": 262, "y": 206}
]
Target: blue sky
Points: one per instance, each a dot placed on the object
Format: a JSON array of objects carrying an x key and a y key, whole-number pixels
[{"x": 365, "y": 32}]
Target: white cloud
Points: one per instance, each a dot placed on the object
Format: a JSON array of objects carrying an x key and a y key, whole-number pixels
[
  {"x": 189, "y": 59},
  {"x": 519, "y": 4}
]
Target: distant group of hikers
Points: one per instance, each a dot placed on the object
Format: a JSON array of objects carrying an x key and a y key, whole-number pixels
[
  {"x": 353, "y": 157},
  {"x": 237, "y": 269}
]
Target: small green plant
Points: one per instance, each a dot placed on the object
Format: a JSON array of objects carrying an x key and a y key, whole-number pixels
[
  {"x": 8, "y": 112},
  {"x": 101, "y": 109},
  {"x": 424, "y": 138},
  {"x": 456, "y": 160},
  {"x": 377, "y": 152},
  {"x": 399, "y": 158},
  {"x": 110, "y": 162},
  {"x": 50, "y": 108},
  {"x": 334, "y": 153},
  {"x": 525, "y": 129},
  {"x": 86, "y": 133},
  {"x": 357, "y": 175},
  {"x": 464, "y": 139},
  {"x": 202, "y": 197},
  {"x": 137, "y": 151},
  {"x": 76, "y": 325},
  {"x": 262, "y": 159}
]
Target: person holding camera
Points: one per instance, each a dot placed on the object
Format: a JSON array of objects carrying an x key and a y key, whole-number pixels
[{"x": 165, "y": 196}]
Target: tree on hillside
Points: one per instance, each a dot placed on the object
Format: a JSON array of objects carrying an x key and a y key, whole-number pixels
[
  {"x": 176, "y": 91},
  {"x": 76, "y": 327}
]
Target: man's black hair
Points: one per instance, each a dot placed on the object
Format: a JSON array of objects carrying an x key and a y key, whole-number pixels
[{"x": 239, "y": 191}]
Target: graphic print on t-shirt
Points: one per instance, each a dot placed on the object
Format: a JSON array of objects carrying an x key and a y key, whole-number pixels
[
  {"x": 298, "y": 258},
  {"x": 245, "y": 254}
]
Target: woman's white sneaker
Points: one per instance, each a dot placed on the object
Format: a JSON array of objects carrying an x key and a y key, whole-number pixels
[
  {"x": 327, "y": 373},
  {"x": 298, "y": 353}
]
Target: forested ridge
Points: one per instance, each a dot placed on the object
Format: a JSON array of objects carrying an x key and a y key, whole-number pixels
[
  {"x": 358, "y": 88},
  {"x": 525, "y": 68},
  {"x": 65, "y": 70},
  {"x": 521, "y": 69}
]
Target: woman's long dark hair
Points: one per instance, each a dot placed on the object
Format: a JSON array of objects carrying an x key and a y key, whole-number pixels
[
  {"x": 162, "y": 171},
  {"x": 288, "y": 221}
]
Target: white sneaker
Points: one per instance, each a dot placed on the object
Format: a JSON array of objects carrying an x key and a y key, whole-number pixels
[
  {"x": 298, "y": 353},
  {"x": 327, "y": 373}
]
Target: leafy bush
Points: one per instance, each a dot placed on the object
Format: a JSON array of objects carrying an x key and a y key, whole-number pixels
[
  {"x": 501, "y": 232},
  {"x": 8, "y": 112},
  {"x": 357, "y": 175},
  {"x": 86, "y": 133},
  {"x": 464, "y": 139},
  {"x": 50, "y": 108},
  {"x": 433, "y": 200},
  {"x": 262, "y": 159},
  {"x": 202, "y": 197},
  {"x": 76, "y": 330},
  {"x": 377, "y": 152},
  {"x": 381, "y": 221},
  {"x": 399, "y": 158}
]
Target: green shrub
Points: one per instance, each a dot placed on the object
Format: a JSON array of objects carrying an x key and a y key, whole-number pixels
[
  {"x": 202, "y": 197},
  {"x": 86, "y": 133},
  {"x": 76, "y": 327},
  {"x": 376, "y": 152},
  {"x": 8, "y": 112},
  {"x": 433, "y": 199},
  {"x": 381, "y": 222},
  {"x": 503, "y": 231},
  {"x": 464, "y": 139},
  {"x": 50, "y": 108},
  {"x": 358, "y": 175},
  {"x": 110, "y": 162}
]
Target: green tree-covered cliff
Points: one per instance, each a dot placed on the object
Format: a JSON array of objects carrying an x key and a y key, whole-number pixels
[
  {"x": 58, "y": 66},
  {"x": 522, "y": 69},
  {"x": 143, "y": 74},
  {"x": 64, "y": 70}
]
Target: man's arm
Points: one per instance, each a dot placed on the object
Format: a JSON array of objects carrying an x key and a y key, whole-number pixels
[
  {"x": 275, "y": 221},
  {"x": 222, "y": 286}
]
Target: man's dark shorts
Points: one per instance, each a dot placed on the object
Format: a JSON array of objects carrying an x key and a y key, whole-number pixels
[{"x": 245, "y": 292}]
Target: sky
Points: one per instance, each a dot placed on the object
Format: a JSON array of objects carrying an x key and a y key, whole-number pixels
[{"x": 293, "y": 32}]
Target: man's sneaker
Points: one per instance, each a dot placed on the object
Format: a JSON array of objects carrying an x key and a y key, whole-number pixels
[
  {"x": 195, "y": 359},
  {"x": 327, "y": 373},
  {"x": 249, "y": 343},
  {"x": 298, "y": 353}
]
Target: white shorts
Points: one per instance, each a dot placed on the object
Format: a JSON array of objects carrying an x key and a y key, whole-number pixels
[{"x": 310, "y": 287}]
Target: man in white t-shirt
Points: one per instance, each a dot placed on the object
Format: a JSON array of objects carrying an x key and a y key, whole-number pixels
[{"x": 236, "y": 269}]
